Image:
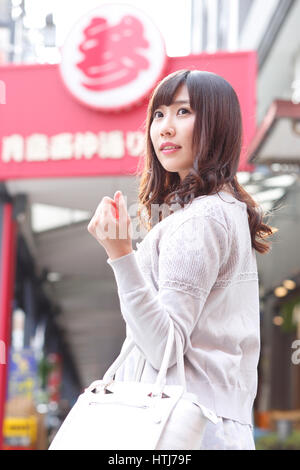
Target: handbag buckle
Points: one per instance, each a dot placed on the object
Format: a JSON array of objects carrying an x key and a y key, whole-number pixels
[
  {"x": 155, "y": 395},
  {"x": 105, "y": 387},
  {"x": 100, "y": 387}
]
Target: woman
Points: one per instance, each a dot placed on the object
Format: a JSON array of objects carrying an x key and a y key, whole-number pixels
[{"x": 197, "y": 264}]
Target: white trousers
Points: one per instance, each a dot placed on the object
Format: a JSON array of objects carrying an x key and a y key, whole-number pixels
[{"x": 228, "y": 435}]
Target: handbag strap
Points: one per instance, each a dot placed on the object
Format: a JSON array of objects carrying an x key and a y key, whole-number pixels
[
  {"x": 161, "y": 377},
  {"x": 139, "y": 368}
]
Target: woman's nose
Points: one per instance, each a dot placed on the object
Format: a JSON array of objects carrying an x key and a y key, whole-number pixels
[{"x": 167, "y": 130}]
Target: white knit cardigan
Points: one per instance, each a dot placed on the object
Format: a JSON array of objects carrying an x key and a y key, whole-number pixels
[{"x": 197, "y": 267}]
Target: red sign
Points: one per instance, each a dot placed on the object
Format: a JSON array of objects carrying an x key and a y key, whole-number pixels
[
  {"x": 113, "y": 57},
  {"x": 54, "y": 378},
  {"x": 46, "y": 133}
]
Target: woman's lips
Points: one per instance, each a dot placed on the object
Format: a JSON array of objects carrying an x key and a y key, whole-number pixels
[{"x": 168, "y": 151}]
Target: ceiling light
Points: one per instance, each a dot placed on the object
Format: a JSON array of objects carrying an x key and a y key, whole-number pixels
[
  {"x": 257, "y": 176},
  {"x": 276, "y": 167},
  {"x": 278, "y": 320},
  {"x": 289, "y": 284},
  {"x": 251, "y": 188},
  {"x": 46, "y": 217},
  {"x": 54, "y": 277},
  {"x": 280, "y": 291},
  {"x": 266, "y": 206},
  {"x": 270, "y": 195},
  {"x": 243, "y": 177},
  {"x": 281, "y": 180}
]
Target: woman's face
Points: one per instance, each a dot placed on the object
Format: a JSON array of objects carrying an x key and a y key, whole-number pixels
[{"x": 171, "y": 133}]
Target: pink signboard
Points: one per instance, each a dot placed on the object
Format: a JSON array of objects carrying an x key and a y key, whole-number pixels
[{"x": 86, "y": 115}]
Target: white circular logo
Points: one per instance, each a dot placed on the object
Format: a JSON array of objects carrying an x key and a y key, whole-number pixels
[{"x": 113, "y": 57}]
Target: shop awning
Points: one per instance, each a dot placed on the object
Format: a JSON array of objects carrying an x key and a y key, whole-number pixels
[{"x": 277, "y": 140}]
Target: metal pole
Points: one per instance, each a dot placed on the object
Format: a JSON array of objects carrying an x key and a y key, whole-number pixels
[
  {"x": 7, "y": 276},
  {"x": 212, "y": 25},
  {"x": 233, "y": 26},
  {"x": 196, "y": 26}
]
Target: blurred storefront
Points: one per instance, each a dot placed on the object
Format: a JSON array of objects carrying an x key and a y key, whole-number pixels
[{"x": 275, "y": 150}]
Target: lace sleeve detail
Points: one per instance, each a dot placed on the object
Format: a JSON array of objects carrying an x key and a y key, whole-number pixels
[
  {"x": 196, "y": 291},
  {"x": 190, "y": 258}
]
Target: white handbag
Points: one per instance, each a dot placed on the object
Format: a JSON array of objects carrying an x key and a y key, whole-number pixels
[{"x": 112, "y": 415}]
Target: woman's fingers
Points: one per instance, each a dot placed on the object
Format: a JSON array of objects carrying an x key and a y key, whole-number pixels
[
  {"x": 111, "y": 226},
  {"x": 121, "y": 207},
  {"x": 111, "y": 219},
  {"x": 101, "y": 225}
]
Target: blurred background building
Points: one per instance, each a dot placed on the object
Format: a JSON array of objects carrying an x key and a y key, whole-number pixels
[{"x": 68, "y": 309}]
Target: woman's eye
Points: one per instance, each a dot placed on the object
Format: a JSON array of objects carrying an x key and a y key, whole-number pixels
[
  {"x": 157, "y": 114},
  {"x": 183, "y": 109}
]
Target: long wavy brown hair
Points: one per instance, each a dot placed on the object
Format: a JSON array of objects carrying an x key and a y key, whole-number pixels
[{"x": 217, "y": 143}]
